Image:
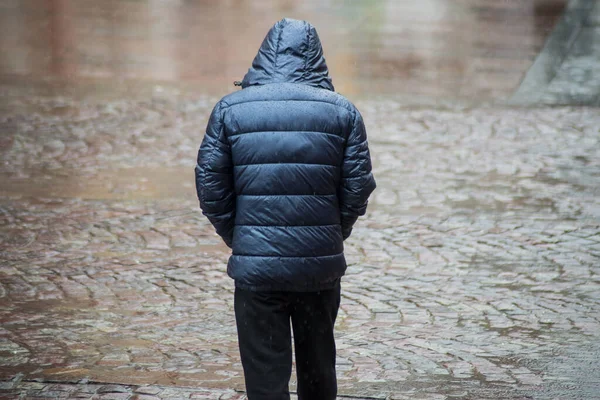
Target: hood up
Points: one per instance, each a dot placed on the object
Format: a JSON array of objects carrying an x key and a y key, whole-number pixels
[{"x": 291, "y": 52}]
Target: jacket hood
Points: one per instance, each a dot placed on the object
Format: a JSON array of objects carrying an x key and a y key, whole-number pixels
[{"x": 291, "y": 52}]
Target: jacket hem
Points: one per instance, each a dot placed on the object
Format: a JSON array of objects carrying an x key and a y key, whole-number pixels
[{"x": 289, "y": 288}]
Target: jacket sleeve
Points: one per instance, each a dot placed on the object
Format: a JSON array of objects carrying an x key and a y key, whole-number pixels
[
  {"x": 214, "y": 177},
  {"x": 357, "y": 180}
]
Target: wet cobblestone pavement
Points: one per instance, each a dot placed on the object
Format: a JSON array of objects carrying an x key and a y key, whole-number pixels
[
  {"x": 475, "y": 274},
  {"x": 39, "y": 390}
]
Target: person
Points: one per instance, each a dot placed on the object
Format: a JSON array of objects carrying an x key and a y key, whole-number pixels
[{"x": 283, "y": 173}]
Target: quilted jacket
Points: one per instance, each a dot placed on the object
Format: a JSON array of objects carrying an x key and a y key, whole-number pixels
[{"x": 284, "y": 170}]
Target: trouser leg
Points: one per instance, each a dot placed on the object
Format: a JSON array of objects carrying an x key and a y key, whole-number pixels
[
  {"x": 263, "y": 324},
  {"x": 313, "y": 318}
]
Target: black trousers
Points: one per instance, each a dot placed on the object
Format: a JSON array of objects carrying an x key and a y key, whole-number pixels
[{"x": 263, "y": 324}]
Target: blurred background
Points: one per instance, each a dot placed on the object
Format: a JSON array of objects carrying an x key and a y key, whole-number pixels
[{"x": 450, "y": 49}]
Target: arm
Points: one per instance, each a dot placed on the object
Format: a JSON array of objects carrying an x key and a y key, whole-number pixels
[
  {"x": 214, "y": 178},
  {"x": 357, "y": 180}
]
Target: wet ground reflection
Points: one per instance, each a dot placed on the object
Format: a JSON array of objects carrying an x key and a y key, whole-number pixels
[{"x": 455, "y": 49}]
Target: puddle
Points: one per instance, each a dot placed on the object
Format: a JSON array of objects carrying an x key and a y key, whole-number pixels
[{"x": 122, "y": 184}]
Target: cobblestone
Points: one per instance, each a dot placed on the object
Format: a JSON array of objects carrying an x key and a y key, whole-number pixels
[
  {"x": 474, "y": 275},
  {"x": 35, "y": 390}
]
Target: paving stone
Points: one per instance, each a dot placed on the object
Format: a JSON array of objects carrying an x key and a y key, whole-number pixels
[
  {"x": 113, "y": 389},
  {"x": 474, "y": 267}
]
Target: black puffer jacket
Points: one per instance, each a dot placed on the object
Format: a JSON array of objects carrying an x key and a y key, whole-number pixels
[{"x": 284, "y": 169}]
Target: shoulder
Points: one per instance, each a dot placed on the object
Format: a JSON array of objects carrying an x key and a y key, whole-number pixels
[{"x": 286, "y": 92}]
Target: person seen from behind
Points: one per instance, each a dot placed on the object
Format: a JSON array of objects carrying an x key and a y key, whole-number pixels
[{"x": 283, "y": 173}]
